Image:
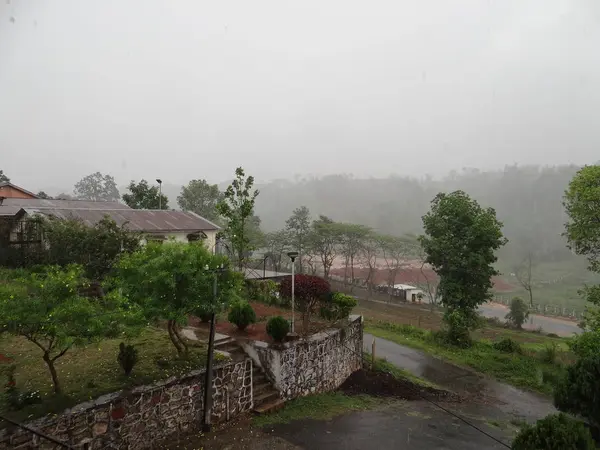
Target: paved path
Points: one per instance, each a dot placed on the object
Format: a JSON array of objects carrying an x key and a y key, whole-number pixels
[{"x": 501, "y": 399}]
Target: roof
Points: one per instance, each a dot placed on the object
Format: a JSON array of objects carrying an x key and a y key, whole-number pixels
[
  {"x": 404, "y": 287},
  {"x": 18, "y": 188},
  {"x": 40, "y": 203},
  {"x": 145, "y": 220},
  {"x": 9, "y": 210}
]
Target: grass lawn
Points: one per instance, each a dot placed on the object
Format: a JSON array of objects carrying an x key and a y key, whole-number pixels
[
  {"x": 528, "y": 370},
  {"x": 88, "y": 372}
]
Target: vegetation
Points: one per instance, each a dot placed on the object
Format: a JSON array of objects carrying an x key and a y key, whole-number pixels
[
  {"x": 128, "y": 357},
  {"x": 171, "y": 281},
  {"x": 241, "y": 314},
  {"x": 554, "y": 432},
  {"x": 298, "y": 230},
  {"x": 278, "y": 328},
  {"x": 309, "y": 291},
  {"x": 338, "y": 306},
  {"x": 237, "y": 207},
  {"x": 97, "y": 187},
  {"x": 3, "y": 177},
  {"x": 48, "y": 310},
  {"x": 143, "y": 196},
  {"x": 459, "y": 242},
  {"x": 519, "y": 312},
  {"x": 507, "y": 345},
  {"x": 201, "y": 198}
]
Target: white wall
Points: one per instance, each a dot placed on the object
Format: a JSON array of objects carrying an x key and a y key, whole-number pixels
[{"x": 211, "y": 238}]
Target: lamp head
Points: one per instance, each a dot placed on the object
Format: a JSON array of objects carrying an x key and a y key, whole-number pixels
[{"x": 293, "y": 255}]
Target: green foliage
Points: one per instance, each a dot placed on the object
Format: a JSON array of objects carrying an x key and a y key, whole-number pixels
[
  {"x": 507, "y": 345},
  {"x": 201, "y": 198},
  {"x": 298, "y": 230},
  {"x": 549, "y": 353},
  {"x": 309, "y": 291},
  {"x": 579, "y": 391},
  {"x": 127, "y": 357},
  {"x": 324, "y": 241},
  {"x": 143, "y": 196},
  {"x": 3, "y": 177},
  {"x": 586, "y": 344},
  {"x": 458, "y": 324},
  {"x": 278, "y": 328},
  {"x": 265, "y": 291},
  {"x": 460, "y": 242},
  {"x": 519, "y": 312},
  {"x": 48, "y": 310},
  {"x": 237, "y": 207},
  {"x": 338, "y": 306},
  {"x": 43, "y": 195},
  {"x": 554, "y": 432},
  {"x": 276, "y": 243},
  {"x": 171, "y": 281},
  {"x": 241, "y": 314},
  {"x": 97, "y": 187}
]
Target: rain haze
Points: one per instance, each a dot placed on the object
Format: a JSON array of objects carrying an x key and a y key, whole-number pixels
[{"x": 187, "y": 89}]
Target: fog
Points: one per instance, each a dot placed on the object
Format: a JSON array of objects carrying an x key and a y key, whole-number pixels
[{"x": 192, "y": 89}]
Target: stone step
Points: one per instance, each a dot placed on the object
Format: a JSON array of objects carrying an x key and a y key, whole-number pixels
[
  {"x": 260, "y": 386},
  {"x": 270, "y": 407},
  {"x": 230, "y": 347},
  {"x": 266, "y": 396},
  {"x": 222, "y": 339}
]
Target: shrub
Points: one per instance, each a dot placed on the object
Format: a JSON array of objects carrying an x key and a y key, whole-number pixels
[
  {"x": 309, "y": 291},
  {"x": 549, "y": 353},
  {"x": 128, "y": 357},
  {"x": 552, "y": 335},
  {"x": 457, "y": 332},
  {"x": 578, "y": 391},
  {"x": 242, "y": 315},
  {"x": 586, "y": 344},
  {"x": 554, "y": 432},
  {"x": 278, "y": 328},
  {"x": 519, "y": 312},
  {"x": 507, "y": 345},
  {"x": 338, "y": 306}
]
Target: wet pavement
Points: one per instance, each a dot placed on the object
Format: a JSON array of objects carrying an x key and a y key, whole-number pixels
[{"x": 500, "y": 399}]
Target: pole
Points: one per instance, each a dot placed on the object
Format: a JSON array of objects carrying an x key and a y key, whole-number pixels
[
  {"x": 206, "y": 426},
  {"x": 159, "y": 195},
  {"x": 293, "y": 288},
  {"x": 264, "y": 267}
]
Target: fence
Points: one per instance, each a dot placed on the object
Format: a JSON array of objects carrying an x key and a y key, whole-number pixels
[{"x": 545, "y": 309}]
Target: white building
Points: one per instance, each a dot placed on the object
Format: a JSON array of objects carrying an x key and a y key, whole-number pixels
[{"x": 408, "y": 292}]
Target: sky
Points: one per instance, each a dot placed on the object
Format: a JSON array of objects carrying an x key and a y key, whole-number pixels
[{"x": 185, "y": 89}]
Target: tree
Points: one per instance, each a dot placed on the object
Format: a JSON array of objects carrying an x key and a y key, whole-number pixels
[
  {"x": 171, "y": 281},
  {"x": 518, "y": 312},
  {"x": 368, "y": 256},
  {"x": 144, "y": 196},
  {"x": 554, "y": 432},
  {"x": 324, "y": 240},
  {"x": 460, "y": 242},
  {"x": 43, "y": 195},
  {"x": 48, "y": 310},
  {"x": 63, "y": 196},
  {"x": 309, "y": 290},
  {"x": 276, "y": 242},
  {"x": 352, "y": 237},
  {"x": 201, "y": 198},
  {"x": 97, "y": 187},
  {"x": 237, "y": 207},
  {"x": 298, "y": 226},
  {"x": 524, "y": 274},
  {"x": 4, "y": 178},
  {"x": 396, "y": 252}
]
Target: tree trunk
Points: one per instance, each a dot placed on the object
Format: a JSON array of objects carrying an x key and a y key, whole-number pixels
[
  {"x": 305, "y": 322},
  {"x": 352, "y": 273},
  {"x": 50, "y": 363},
  {"x": 530, "y": 297},
  {"x": 180, "y": 339},
  {"x": 173, "y": 337}
]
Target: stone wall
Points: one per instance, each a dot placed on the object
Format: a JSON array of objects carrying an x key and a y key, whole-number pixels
[
  {"x": 319, "y": 363},
  {"x": 145, "y": 416}
]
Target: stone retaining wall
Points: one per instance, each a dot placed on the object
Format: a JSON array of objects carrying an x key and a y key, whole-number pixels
[
  {"x": 145, "y": 416},
  {"x": 319, "y": 363}
]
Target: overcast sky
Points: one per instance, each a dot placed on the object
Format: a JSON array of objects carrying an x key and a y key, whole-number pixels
[{"x": 182, "y": 89}]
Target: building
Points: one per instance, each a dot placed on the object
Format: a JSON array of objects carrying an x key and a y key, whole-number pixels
[
  {"x": 408, "y": 292},
  {"x": 9, "y": 190}
]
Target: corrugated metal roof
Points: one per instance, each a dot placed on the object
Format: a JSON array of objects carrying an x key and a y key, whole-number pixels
[
  {"x": 149, "y": 221},
  {"x": 39, "y": 203},
  {"x": 9, "y": 210}
]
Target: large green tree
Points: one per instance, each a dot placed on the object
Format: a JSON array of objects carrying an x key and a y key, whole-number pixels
[
  {"x": 352, "y": 239},
  {"x": 48, "y": 310},
  {"x": 237, "y": 207},
  {"x": 460, "y": 242},
  {"x": 171, "y": 281},
  {"x": 3, "y": 177},
  {"x": 143, "y": 196},
  {"x": 97, "y": 187},
  {"x": 324, "y": 241},
  {"x": 298, "y": 227},
  {"x": 201, "y": 198}
]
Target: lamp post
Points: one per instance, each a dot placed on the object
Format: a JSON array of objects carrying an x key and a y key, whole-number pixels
[
  {"x": 293, "y": 256},
  {"x": 159, "y": 181}
]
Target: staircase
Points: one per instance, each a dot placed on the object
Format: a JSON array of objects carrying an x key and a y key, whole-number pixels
[{"x": 266, "y": 397}]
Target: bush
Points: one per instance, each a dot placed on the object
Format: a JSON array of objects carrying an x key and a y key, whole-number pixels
[
  {"x": 586, "y": 344},
  {"x": 457, "y": 332},
  {"x": 242, "y": 315},
  {"x": 278, "y": 328},
  {"x": 128, "y": 357},
  {"x": 549, "y": 353},
  {"x": 552, "y": 335},
  {"x": 519, "y": 312},
  {"x": 338, "y": 306},
  {"x": 507, "y": 345},
  {"x": 578, "y": 392},
  {"x": 555, "y": 432}
]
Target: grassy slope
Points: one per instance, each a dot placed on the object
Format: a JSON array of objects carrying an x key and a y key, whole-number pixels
[{"x": 525, "y": 371}]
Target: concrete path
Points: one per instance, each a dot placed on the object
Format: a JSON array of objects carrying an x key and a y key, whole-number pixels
[{"x": 499, "y": 399}]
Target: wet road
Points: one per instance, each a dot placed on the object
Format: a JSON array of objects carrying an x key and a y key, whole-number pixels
[{"x": 505, "y": 399}]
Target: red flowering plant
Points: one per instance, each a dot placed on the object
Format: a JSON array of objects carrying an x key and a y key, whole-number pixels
[{"x": 309, "y": 291}]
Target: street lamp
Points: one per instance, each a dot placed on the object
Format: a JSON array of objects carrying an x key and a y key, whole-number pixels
[
  {"x": 293, "y": 256},
  {"x": 159, "y": 181}
]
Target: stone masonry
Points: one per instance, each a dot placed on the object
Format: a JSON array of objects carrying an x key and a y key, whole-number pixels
[
  {"x": 145, "y": 416},
  {"x": 317, "y": 364}
]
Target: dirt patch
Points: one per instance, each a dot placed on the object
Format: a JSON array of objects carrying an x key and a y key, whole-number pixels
[{"x": 382, "y": 384}]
